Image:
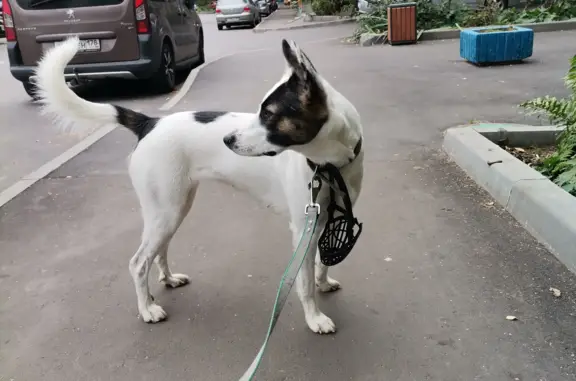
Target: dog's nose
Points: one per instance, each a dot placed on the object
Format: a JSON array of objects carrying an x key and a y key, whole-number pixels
[{"x": 229, "y": 140}]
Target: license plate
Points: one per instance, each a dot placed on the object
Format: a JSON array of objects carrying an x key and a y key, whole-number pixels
[
  {"x": 233, "y": 19},
  {"x": 87, "y": 45}
]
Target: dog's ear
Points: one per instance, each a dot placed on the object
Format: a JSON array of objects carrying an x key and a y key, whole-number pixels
[{"x": 297, "y": 59}]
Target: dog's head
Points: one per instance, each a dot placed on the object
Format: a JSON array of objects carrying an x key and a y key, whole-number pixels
[{"x": 291, "y": 114}]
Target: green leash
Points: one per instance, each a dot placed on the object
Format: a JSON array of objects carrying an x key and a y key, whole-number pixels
[{"x": 287, "y": 281}]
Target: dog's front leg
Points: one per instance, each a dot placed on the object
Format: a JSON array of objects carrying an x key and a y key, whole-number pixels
[
  {"x": 323, "y": 281},
  {"x": 305, "y": 284}
]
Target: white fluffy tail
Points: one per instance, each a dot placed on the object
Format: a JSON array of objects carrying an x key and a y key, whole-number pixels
[{"x": 59, "y": 100}]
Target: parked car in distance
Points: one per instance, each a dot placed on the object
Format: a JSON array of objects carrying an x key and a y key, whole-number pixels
[
  {"x": 264, "y": 7},
  {"x": 273, "y": 5},
  {"x": 117, "y": 38},
  {"x": 237, "y": 12}
]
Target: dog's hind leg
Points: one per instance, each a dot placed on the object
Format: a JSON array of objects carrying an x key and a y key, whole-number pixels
[
  {"x": 316, "y": 320},
  {"x": 166, "y": 277},
  {"x": 163, "y": 211},
  {"x": 323, "y": 281}
]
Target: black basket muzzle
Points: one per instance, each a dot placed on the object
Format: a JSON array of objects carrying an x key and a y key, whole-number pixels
[{"x": 341, "y": 231}]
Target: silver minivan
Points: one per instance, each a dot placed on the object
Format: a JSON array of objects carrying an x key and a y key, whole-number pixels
[
  {"x": 237, "y": 12},
  {"x": 131, "y": 39}
]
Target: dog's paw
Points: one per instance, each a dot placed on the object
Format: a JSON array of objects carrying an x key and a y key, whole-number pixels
[
  {"x": 153, "y": 314},
  {"x": 176, "y": 280},
  {"x": 329, "y": 286},
  {"x": 321, "y": 324}
]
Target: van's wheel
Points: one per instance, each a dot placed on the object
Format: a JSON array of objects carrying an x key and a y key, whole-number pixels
[
  {"x": 31, "y": 90},
  {"x": 164, "y": 80},
  {"x": 220, "y": 27},
  {"x": 201, "y": 57}
]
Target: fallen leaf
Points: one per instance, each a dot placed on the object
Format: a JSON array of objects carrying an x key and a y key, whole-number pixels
[
  {"x": 556, "y": 292},
  {"x": 511, "y": 318},
  {"x": 519, "y": 149}
]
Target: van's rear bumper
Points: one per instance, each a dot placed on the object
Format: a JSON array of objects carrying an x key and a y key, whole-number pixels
[
  {"x": 142, "y": 68},
  {"x": 139, "y": 69}
]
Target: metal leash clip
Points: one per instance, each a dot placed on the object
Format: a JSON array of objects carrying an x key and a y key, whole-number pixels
[{"x": 314, "y": 185}]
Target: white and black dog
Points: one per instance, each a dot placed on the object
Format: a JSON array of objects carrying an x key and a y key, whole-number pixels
[{"x": 302, "y": 115}]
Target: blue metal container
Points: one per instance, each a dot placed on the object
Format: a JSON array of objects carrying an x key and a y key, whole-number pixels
[{"x": 499, "y": 45}]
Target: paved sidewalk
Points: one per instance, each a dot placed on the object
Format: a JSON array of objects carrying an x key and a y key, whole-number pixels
[
  {"x": 426, "y": 293},
  {"x": 286, "y": 19}
]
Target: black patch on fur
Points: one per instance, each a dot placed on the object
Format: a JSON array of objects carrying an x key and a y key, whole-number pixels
[
  {"x": 136, "y": 122},
  {"x": 295, "y": 112},
  {"x": 206, "y": 117}
]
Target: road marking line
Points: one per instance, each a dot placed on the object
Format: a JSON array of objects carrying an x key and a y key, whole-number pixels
[
  {"x": 192, "y": 77},
  {"x": 28, "y": 180}
]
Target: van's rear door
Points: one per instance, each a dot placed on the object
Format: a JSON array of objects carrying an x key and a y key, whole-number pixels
[{"x": 106, "y": 28}]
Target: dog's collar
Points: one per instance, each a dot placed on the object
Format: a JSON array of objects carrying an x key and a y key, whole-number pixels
[{"x": 357, "y": 150}]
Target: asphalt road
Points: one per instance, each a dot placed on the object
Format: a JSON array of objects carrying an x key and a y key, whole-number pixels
[
  {"x": 425, "y": 294},
  {"x": 28, "y": 140}
]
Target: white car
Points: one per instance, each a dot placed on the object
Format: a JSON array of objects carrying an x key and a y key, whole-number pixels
[{"x": 364, "y": 6}]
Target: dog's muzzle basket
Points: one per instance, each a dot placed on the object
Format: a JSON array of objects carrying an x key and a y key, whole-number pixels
[{"x": 341, "y": 232}]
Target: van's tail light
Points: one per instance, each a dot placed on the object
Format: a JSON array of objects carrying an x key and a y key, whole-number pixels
[
  {"x": 218, "y": 10},
  {"x": 246, "y": 9},
  {"x": 9, "y": 29},
  {"x": 142, "y": 20}
]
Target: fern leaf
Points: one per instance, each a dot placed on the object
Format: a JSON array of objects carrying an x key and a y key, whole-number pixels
[
  {"x": 567, "y": 180},
  {"x": 570, "y": 79},
  {"x": 560, "y": 111}
]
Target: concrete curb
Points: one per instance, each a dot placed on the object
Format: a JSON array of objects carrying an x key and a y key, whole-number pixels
[
  {"x": 448, "y": 34},
  {"x": 316, "y": 18},
  {"x": 545, "y": 210},
  {"x": 308, "y": 24},
  {"x": 187, "y": 85},
  {"x": 266, "y": 20}
]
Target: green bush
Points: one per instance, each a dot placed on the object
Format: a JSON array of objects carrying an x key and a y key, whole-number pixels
[
  {"x": 560, "y": 167},
  {"x": 430, "y": 15},
  {"x": 450, "y": 13},
  {"x": 333, "y": 7}
]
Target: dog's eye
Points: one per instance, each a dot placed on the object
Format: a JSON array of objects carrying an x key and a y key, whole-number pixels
[{"x": 266, "y": 114}]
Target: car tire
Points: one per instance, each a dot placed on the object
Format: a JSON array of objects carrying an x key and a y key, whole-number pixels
[
  {"x": 201, "y": 56},
  {"x": 220, "y": 27},
  {"x": 254, "y": 22},
  {"x": 164, "y": 80},
  {"x": 31, "y": 90}
]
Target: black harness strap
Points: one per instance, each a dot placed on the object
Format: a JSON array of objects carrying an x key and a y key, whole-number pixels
[{"x": 341, "y": 232}]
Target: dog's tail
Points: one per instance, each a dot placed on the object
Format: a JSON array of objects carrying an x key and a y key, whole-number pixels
[{"x": 71, "y": 111}]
